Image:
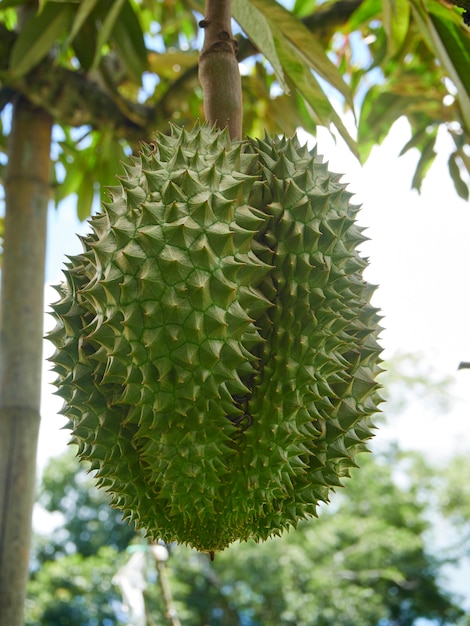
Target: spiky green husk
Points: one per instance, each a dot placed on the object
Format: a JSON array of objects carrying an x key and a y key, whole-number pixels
[{"x": 215, "y": 342}]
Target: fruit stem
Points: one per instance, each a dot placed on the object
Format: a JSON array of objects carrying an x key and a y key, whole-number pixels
[{"x": 218, "y": 69}]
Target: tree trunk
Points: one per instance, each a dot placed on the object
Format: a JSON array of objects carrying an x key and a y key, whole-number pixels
[{"x": 27, "y": 190}]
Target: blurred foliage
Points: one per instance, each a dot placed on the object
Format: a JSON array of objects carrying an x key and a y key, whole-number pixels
[
  {"x": 75, "y": 591},
  {"x": 451, "y": 487},
  {"x": 111, "y": 72},
  {"x": 414, "y": 375},
  {"x": 88, "y": 521},
  {"x": 455, "y": 492},
  {"x": 363, "y": 561}
]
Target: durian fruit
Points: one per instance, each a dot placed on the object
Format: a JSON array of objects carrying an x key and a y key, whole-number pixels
[{"x": 216, "y": 347}]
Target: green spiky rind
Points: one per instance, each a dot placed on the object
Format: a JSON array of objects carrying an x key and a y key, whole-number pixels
[
  {"x": 163, "y": 296},
  {"x": 315, "y": 391},
  {"x": 216, "y": 346}
]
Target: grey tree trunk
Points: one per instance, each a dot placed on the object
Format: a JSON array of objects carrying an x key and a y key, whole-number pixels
[{"x": 27, "y": 191}]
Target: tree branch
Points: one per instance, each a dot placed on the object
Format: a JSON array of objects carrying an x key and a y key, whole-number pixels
[
  {"x": 72, "y": 99},
  {"x": 218, "y": 69}
]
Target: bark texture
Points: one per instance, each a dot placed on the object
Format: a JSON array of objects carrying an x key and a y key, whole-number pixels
[
  {"x": 27, "y": 190},
  {"x": 218, "y": 69}
]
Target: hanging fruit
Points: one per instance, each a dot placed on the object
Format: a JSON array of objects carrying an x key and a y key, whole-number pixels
[{"x": 216, "y": 347}]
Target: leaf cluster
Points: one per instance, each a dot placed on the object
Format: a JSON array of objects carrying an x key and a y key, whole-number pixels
[
  {"x": 452, "y": 488},
  {"x": 119, "y": 70},
  {"x": 421, "y": 53},
  {"x": 76, "y": 591},
  {"x": 88, "y": 522}
]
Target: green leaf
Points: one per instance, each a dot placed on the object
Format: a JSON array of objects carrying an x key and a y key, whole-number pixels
[
  {"x": 163, "y": 64},
  {"x": 84, "y": 44},
  {"x": 450, "y": 45},
  {"x": 39, "y": 35},
  {"x": 367, "y": 11},
  {"x": 307, "y": 48},
  {"x": 378, "y": 112},
  {"x": 288, "y": 44},
  {"x": 396, "y": 20},
  {"x": 426, "y": 159},
  {"x": 70, "y": 184},
  {"x": 128, "y": 39},
  {"x": 457, "y": 45},
  {"x": 258, "y": 29},
  {"x": 105, "y": 31},
  {"x": 445, "y": 12},
  {"x": 304, "y": 7},
  {"x": 86, "y": 194},
  {"x": 305, "y": 82},
  {"x": 6, "y": 4},
  {"x": 122, "y": 28},
  {"x": 460, "y": 185},
  {"x": 418, "y": 140},
  {"x": 84, "y": 9}
]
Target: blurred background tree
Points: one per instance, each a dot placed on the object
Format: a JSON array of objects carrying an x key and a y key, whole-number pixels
[
  {"x": 365, "y": 560},
  {"x": 368, "y": 558}
]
